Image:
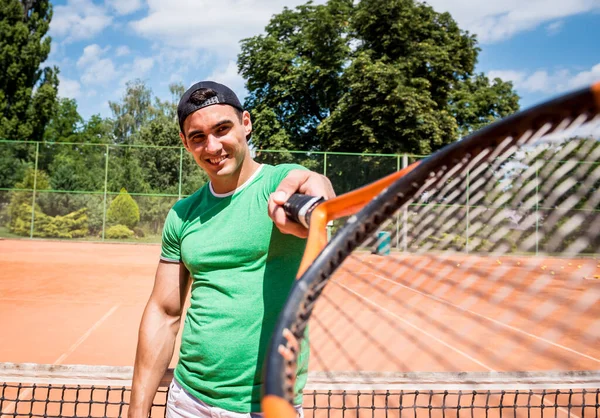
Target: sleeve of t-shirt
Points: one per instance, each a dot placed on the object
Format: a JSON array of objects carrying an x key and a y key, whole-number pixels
[
  {"x": 171, "y": 242},
  {"x": 281, "y": 171}
]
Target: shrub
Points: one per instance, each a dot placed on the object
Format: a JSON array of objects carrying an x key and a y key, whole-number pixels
[
  {"x": 123, "y": 210},
  {"x": 72, "y": 225},
  {"x": 139, "y": 232},
  {"x": 119, "y": 232}
]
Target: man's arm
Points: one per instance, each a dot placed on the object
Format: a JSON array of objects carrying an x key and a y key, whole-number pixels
[
  {"x": 297, "y": 181},
  {"x": 157, "y": 334}
]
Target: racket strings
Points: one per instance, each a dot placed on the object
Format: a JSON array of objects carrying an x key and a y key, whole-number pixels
[
  {"x": 493, "y": 266},
  {"x": 415, "y": 310}
]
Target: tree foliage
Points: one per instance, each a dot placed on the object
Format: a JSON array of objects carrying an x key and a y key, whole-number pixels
[
  {"x": 386, "y": 76},
  {"x": 27, "y": 90}
]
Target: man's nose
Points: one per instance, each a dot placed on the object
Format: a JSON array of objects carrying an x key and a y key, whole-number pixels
[{"x": 213, "y": 145}]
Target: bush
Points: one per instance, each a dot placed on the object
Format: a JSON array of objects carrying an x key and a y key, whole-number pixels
[
  {"x": 119, "y": 232},
  {"x": 123, "y": 210},
  {"x": 139, "y": 232},
  {"x": 72, "y": 225}
]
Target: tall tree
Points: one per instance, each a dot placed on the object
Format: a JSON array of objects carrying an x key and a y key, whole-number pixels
[
  {"x": 384, "y": 76},
  {"x": 132, "y": 112},
  {"x": 27, "y": 91},
  {"x": 65, "y": 123}
]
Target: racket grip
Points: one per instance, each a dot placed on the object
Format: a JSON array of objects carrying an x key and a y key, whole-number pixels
[{"x": 299, "y": 207}]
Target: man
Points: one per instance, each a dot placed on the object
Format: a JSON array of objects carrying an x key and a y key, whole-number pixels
[{"x": 233, "y": 245}]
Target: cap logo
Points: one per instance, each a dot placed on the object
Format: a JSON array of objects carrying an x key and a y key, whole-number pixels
[{"x": 213, "y": 100}]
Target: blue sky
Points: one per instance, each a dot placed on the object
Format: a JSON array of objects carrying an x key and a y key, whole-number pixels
[{"x": 544, "y": 46}]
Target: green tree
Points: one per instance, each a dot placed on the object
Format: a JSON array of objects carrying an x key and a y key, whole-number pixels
[
  {"x": 97, "y": 130},
  {"x": 65, "y": 124},
  {"x": 123, "y": 210},
  {"x": 384, "y": 76},
  {"x": 293, "y": 73},
  {"x": 477, "y": 101},
  {"x": 27, "y": 91},
  {"x": 132, "y": 112}
]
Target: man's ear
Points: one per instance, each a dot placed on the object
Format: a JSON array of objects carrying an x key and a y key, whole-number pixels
[
  {"x": 183, "y": 140},
  {"x": 247, "y": 123}
]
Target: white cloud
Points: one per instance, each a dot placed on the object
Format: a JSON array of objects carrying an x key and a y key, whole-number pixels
[
  {"x": 143, "y": 64},
  {"x": 230, "y": 77},
  {"x": 68, "y": 88},
  {"x": 494, "y": 21},
  {"x": 123, "y": 50},
  {"x": 215, "y": 26},
  {"x": 95, "y": 69},
  {"x": 555, "y": 27},
  {"x": 553, "y": 82},
  {"x": 125, "y": 7},
  {"x": 78, "y": 20},
  {"x": 91, "y": 53},
  {"x": 99, "y": 72}
]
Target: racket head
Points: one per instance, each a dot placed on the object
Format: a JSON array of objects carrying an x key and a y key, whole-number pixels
[{"x": 544, "y": 126}]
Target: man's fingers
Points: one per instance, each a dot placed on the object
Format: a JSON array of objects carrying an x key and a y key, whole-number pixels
[
  {"x": 290, "y": 350},
  {"x": 292, "y": 341},
  {"x": 283, "y": 223},
  {"x": 292, "y": 183},
  {"x": 280, "y": 197}
]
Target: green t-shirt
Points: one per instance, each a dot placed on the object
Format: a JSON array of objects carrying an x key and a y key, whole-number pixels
[{"x": 242, "y": 270}]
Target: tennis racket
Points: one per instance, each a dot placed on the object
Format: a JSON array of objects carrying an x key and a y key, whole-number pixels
[{"x": 482, "y": 257}]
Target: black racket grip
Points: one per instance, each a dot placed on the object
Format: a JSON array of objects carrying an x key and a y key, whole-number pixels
[{"x": 299, "y": 207}]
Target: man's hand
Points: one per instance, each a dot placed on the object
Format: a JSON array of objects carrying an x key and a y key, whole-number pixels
[{"x": 297, "y": 181}]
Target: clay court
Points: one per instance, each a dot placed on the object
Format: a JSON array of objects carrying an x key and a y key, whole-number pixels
[
  {"x": 73, "y": 302},
  {"x": 81, "y": 303}
]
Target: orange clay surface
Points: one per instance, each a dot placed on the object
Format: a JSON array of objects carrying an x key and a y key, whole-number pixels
[
  {"x": 73, "y": 302},
  {"x": 81, "y": 303}
]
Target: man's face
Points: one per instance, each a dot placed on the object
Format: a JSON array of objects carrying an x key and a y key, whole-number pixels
[{"x": 216, "y": 138}]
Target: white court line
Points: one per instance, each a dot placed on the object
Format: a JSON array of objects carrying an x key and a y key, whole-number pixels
[
  {"x": 565, "y": 411},
  {"x": 9, "y": 409},
  {"x": 495, "y": 321},
  {"x": 421, "y": 330}
]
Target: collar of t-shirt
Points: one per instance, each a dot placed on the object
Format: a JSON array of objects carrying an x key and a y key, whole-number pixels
[{"x": 237, "y": 190}]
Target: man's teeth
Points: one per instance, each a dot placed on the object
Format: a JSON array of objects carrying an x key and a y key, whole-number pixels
[{"x": 217, "y": 160}]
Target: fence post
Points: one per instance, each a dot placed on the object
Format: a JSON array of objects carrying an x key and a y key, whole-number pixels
[
  {"x": 105, "y": 192},
  {"x": 398, "y": 215},
  {"x": 180, "y": 171},
  {"x": 325, "y": 164},
  {"x": 405, "y": 213},
  {"x": 35, "y": 171}
]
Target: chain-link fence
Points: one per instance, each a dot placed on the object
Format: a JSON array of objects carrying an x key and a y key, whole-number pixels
[
  {"x": 76, "y": 190},
  {"x": 100, "y": 192}
]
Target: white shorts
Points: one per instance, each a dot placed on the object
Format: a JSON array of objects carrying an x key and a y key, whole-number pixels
[{"x": 181, "y": 404}]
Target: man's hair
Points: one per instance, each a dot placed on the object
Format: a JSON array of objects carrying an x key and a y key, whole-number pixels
[{"x": 201, "y": 95}]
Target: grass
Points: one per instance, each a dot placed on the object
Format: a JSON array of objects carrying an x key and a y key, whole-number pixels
[{"x": 5, "y": 233}]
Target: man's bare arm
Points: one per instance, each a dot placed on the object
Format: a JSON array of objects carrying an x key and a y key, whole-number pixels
[{"x": 157, "y": 334}]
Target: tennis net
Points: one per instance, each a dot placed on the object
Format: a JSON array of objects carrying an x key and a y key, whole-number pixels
[{"x": 33, "y": 390}]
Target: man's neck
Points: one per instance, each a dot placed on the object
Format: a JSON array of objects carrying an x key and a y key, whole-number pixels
[{"x": 230, "y": 183}]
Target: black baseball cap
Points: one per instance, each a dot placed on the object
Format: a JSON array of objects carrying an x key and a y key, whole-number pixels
[{"x": 224, "y": 96}]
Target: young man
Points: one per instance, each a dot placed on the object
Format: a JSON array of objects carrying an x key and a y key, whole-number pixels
[{"x": 232, "y": 243}]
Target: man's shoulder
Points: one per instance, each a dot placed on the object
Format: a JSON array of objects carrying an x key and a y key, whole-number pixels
[
  {"x": 279, "y": 169},
  {"x": 184, "y": 205}
]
